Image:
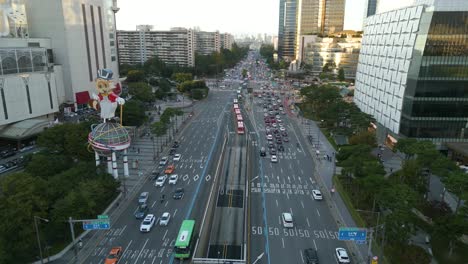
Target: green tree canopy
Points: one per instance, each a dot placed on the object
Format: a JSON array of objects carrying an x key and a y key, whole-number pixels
[
  {"x": 135, "y": 76},
  {"x": 181, "y": 77},
  {"x": 141, "y": 91},
  {"x": 134, "y": 113},
  {"x": 341, "y": 75}
]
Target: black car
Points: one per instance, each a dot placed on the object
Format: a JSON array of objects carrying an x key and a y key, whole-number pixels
[
  {"x": 284, "y": 133},
  {"x": 7, "y": 153},
  {"x": 178, "y": 193},
  {"x": 141, "y": 211},
  {"x": 279, "y": 141},
  {"x": 310, "y": 256},
  {"x": 176, "y": 144},
  {"x": 272, "y": 151},
  {"x": 155, "y": 175},
  {"x": 271, "y": 144},
  {"x": 280, "y": 148},
  {"x": 262, "y": 152},
  {"x": 172, "y": 151}
]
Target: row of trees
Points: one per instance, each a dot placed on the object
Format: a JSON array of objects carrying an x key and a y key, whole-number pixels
[
  {"x": 166, "y": 123},
  {"x": 391, "y": 198},
  {"x": 58, "y": 182},
  {"x": 325, "y": 103},
  {"x": 267, "y": 51}
]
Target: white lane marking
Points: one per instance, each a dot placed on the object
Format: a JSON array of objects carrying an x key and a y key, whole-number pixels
[
  {"x": 302, "y": 172},
  {"x": 164, "y": 237},
  {"x": 162, "y": 189},
  {"x": 302, "y": 257},
  {"x": 318, "y": 212},
  {"x": 311, "y": 180},
  {"x": 282, "y": 240},
  {"x": 175, "y": 212},
  {"x": 302, "y": 204},
  {"x": 294, "y": 177},
  {"x": 154, "y": 259},
  {"x": 315, "y": 244},
  {"x": 279, "y": 219},
  {"x": 166, "y": 204},
  {"x": 300, "y": 180},
  {"x": 307, "y": 220},
  {"x": 290, "y": 210},
  {"x": 123, "y": 229},
  {"x": 276, "y": 202},
  {"x": 287, "y": 195},
  {"x": 153, "y": 204}
]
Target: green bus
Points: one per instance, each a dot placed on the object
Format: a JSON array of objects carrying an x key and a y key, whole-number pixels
[{"x": 183, "y": 243}]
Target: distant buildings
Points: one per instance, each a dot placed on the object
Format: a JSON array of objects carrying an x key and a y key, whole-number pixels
[
  {"x": 337, "y": 52},
  {"x": 50, "y": 52},
  {"x": 306, "y": 17},
  {"x": 177, "y": 46},
  {"x": 412, "y": 74}
]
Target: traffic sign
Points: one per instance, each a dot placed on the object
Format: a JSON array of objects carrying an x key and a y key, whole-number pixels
[
  {"x": 96, "y": 224},
  {"x": 353, "y": 234},
  {"x": 103, "y": 217}
]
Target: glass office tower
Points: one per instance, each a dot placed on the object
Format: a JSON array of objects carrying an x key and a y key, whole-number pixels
[
  {"x": 413, "y": 71},
  {"x": 287, "y": 30}
]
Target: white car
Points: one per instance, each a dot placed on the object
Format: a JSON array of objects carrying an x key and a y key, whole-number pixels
[
  {"x": 147, "y": 223},
  {"x": 173, "y": 179},
  {"x": 342, "y": 255},
  {"x": 163, "y": 161},
  {"x": 287, "y": 220},
  {"x": 176, "y": 157},
  {"x": 160, "y": 181},
  {"x": 164, "y": 221},
  {"x": 317, "y": 195},
  {"x": 274, "y": 125},
  {"x": 278, "y": 117},
  {"x": 269, "y": 137},
  {"x": 274, "y": 159},
  {"x": 282, "y": 128}
]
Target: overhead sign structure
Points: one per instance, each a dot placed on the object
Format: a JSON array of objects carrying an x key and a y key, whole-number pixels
[
  {"x": 352, "y": 233},
  {"x": 97, "y": 224}
]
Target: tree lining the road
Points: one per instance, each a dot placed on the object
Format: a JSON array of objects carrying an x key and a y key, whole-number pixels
[{"x": 58, "y": 182}]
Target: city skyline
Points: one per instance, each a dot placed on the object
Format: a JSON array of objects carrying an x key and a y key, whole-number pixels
[{"x": 260, "y": 16}]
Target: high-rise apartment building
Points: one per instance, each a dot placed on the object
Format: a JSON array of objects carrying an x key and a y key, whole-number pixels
[
  {"x": 413, "y": 71},
  {"x": 175, "y": 46},
  {"x": 332, "y": 16},
  {"x": 226, "y": 41},
  {"x": 207, "y": 42},
  {"x": 287, "y": 30}
]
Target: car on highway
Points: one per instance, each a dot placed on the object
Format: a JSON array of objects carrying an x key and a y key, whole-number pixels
[
  {"x": 284, "y": 133},
  {"x": 317, "y": 195},
  {"x": 170, "y": 169},
  {"x": 175, "y": 144},
  {"x": 269, "y": 137},
  {"x": 274, "y": 125},
  {"x": 274, "y": 159},
  {"x": 165, "y": 217},
  {"x": 262, "y": 152},
  {"x": 286, "y": 139},
  {"x": 147, "y": 223},
  {"x": 342, "y": 256},
  {"x": 178, "y": 193},
  {"x": 163, "y": 161},
  {"x": 114, "y": 255},
  {"x": 310, "y": 256},
  {"x": 279, "y": 141},
  {"x": 177, "y": 157},
  {"x": 160, "y": 181},
  {"x": 287, "y": 220},
  {"x": 272, "y": 151},
  {"x": 280, "y": 148},
  {"x": 141, "y": 211},
  {"x": 154, "y": 175},
  {"x": 172, "y": 151},
  {"x": 173, "y": 179},
  {"x": 143, "y": 198}
]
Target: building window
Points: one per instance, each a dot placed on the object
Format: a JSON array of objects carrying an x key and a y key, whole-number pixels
[{"x": 113, "y": 58}]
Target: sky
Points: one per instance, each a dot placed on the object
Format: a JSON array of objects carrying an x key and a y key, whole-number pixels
[{"x": 235, "y": 17}]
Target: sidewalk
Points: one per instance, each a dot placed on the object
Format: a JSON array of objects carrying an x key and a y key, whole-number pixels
[{"x": 143, "y": 155}]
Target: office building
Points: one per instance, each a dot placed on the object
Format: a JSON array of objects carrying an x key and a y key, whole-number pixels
[
  {"x": 370, "y": 8},
  {"x": 287, "y": 30},
  {"x": 82, "y": 33},
  {"x": 175, "y": 46},
  {"x": 337, "y": 52},
  {"x": 412, "y": 74}
]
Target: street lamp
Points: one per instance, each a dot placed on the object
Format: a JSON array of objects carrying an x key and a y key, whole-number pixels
[{"x": 37, "y": 234}]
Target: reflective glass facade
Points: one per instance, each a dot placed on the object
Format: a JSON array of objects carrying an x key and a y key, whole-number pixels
[
  {"x": 333, "y": 17},
  {"x": 287, "y": 30},
  {"x": 435, "y": 104}
]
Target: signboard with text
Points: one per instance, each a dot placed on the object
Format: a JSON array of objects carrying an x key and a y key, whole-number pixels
[{"x": 352, "y": 233}]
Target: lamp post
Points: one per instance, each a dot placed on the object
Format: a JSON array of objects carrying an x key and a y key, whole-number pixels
[{"x": 36, "y": 218}]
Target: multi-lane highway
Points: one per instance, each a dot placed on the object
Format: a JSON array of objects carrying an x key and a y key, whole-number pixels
[{"x": 216, "y": 165}]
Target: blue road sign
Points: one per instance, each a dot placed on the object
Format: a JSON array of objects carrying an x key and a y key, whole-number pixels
[
  {"x": 96, "y": 225},
  {"x": 354, "y": 234}
]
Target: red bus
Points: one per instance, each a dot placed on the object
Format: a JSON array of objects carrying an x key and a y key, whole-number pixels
[
  {"x": 237, "y": 111},
  {"x": 240, "y": 128},
  {"x": 239, "y": 118}
]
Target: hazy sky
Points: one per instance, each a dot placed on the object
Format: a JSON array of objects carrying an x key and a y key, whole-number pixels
[{"x": 240, "y": 16}]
